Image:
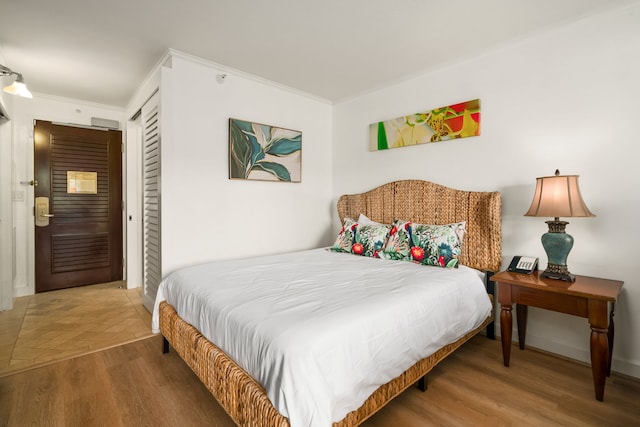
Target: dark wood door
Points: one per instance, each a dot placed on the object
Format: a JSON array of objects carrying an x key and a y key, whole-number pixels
[{"x": 78, "y": 206}]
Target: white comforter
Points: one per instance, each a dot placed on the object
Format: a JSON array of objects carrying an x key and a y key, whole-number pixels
[{"x": 320, "y": 330}]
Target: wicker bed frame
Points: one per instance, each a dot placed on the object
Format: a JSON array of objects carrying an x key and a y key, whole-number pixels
[{"x": 420, "y": 201}]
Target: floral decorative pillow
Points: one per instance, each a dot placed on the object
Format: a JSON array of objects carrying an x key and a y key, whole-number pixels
[
  {"x": 365, "y": 240},
  {"x": 438, "y": 245}
]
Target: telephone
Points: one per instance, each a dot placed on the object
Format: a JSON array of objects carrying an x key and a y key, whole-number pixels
[{"x": 523, "y": 264}]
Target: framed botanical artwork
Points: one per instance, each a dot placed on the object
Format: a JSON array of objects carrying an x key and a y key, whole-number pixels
[
  {"x": 264, "y": 152},
  {"x": 440, "y": 124}
]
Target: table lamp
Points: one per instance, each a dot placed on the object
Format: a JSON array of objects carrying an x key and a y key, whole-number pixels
[{"x": 558, "y": 196}]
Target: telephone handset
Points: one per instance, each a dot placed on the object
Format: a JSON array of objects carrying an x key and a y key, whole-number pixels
[{"x": 523, "y": 264}]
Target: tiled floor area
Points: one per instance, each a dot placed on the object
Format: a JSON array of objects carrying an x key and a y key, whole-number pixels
[{"x": 57, "y": 325}]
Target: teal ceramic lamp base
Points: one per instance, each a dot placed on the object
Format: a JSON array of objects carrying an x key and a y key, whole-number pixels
[{"x": 557, "y": 244}]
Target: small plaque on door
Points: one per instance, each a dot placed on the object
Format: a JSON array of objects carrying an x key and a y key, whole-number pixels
[{"x": 82, "y": 182}]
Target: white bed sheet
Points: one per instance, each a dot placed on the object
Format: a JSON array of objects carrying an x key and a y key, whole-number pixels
[{"x": 321, "y": 331}]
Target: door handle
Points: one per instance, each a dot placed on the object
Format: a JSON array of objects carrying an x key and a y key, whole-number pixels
[{"x": 42, "y": 211}]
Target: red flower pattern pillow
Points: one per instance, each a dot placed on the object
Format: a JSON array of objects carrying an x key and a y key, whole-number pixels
[
  {"x": 438, "y": 245},
  {"x": 358, "y": 239}
]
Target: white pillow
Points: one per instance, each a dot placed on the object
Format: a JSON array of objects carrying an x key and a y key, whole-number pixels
[{"x": 364, "y": 220}]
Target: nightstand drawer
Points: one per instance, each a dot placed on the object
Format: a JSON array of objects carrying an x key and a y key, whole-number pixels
[{"x": 568, "y": 304}]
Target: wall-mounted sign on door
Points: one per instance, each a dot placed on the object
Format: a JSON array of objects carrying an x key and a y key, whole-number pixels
[{"x": 82, "y": 182}]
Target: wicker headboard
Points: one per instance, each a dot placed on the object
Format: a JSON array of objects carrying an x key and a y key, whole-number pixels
[{"x": 428, "y": 203}]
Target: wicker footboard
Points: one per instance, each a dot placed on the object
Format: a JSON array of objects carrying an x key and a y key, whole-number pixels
[
  {"x": 246, "y": 401},
  {"x": 240, "y": 395}
]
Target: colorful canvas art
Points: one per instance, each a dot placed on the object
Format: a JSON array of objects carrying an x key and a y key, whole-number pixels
[
  {"x": 441, "y": 124},
  {"x": 263, "y": 152}
]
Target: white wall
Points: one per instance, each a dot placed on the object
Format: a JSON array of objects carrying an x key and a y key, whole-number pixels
[
  {"x": 6, "y": 213},
  {"x": 205, "y": 215},
  {"x": 565, "y": 99},
  {"x": 25, "y": 111}
]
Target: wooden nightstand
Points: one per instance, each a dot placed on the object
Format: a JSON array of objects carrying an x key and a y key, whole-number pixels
[{"x": 586, "y": 297}]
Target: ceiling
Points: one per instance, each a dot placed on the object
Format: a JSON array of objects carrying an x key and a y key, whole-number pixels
[{"x": 101, "y": 51}]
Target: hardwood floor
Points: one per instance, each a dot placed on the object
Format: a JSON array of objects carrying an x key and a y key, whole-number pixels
[
  {"x": 51, "y": 326},
  {"x": 130, "y": 385},
  {"x": 472, "y": 387},
  {"x": 136, "y": 385}
]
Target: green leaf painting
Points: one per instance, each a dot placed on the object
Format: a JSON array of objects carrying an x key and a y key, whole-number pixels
[{"x": 263, "y": 152}]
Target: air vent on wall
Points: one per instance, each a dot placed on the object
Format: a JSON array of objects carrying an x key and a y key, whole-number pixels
[{"x": 105, "y": 123}]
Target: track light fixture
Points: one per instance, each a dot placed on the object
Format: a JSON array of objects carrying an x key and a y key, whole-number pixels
[{"x": 18, "y": 87}]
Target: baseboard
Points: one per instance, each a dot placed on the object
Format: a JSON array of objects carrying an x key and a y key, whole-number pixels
[
  {"x": 22, "y": 291},
  {"x": 581, "y": 355}
]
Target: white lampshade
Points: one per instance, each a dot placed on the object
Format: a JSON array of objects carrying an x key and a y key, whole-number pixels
[{"x": 558, "y": 196}]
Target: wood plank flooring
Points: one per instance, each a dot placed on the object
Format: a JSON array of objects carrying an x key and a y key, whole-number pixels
[
  {"x": 136, "y": 385},
  {"x": 52, "y": 326}
]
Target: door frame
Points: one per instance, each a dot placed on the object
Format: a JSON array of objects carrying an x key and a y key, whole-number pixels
[{"x": 132, "y": 175}]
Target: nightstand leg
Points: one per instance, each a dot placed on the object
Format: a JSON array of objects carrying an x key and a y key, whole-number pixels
[
  {"x": 506, "y": 323},
  {"x": 521, "y": 315},
  {"x": 599, "y": 359},
  {"x": 610, "y": 336}
]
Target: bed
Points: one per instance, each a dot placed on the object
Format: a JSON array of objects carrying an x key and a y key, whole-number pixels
[{"x": 337, "y": 326}]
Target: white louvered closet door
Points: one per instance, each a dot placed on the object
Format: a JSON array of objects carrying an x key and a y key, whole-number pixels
[{"x": 151, "y": 199}]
